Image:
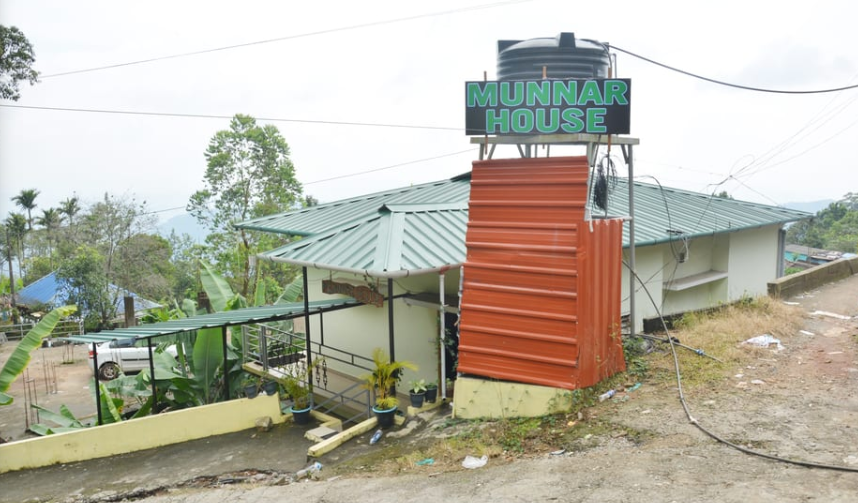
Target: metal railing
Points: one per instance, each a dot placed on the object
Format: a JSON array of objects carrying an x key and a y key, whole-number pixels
[
  {"x": 64, "y": 328},
  {"x": 280, "y": 351}
]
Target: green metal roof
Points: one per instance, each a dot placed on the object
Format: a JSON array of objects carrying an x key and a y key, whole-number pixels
[
  {"x": 214, "y": 320},
  {"x": 395, "y": 239},
  {"x": 423, "y": 227},
  {"x": 324, "y": 217},
  {"x": 666, "y": 214}
]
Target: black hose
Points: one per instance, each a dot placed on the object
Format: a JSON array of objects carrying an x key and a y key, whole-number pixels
[{"x": 694, "y": 421}]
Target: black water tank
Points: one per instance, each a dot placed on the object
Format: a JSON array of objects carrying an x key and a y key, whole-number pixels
[{"x": 563, "y": 56}]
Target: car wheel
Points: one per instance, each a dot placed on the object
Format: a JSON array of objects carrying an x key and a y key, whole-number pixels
[{"x": 108, "y": 371}]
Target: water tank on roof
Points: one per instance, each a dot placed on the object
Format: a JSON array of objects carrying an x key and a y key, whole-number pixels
[{"x": 563, "y": 56}]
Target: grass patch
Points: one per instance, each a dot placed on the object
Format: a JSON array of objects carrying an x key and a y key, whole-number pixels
[{"x": 720, "y": 334}]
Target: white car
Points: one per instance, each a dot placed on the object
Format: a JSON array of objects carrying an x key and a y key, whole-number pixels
[{"x": 122, "y": 356}]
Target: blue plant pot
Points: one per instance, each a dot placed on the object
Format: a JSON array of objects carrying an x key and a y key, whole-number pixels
[
  {"x": 385, "y": 417},
  {"x": 300, "y": 416}
]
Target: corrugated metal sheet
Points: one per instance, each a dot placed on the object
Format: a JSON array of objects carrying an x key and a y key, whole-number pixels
[
  {"x": 394, "y": 238},
  {"x": 531, "y": 258},
  {"x": 48, "y": 290},
  {"x": 601, "y": 345},
  {"x": 214, "y": 320},
  {"x": 656, "y": 211},
  {"x": 324, "y": 217}
]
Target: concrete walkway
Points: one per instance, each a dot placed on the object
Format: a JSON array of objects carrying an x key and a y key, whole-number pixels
[{"x": 283, "y": 449}]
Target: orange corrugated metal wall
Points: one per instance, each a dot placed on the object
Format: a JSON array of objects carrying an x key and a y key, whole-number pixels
[{"x": 541, "y": 296}]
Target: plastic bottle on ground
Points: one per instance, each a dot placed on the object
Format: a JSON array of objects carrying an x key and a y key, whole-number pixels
[
  {"x": 307, "y": 471},
  {"x": 608, "y": 394},
  {"x": 375, "y": 437}
]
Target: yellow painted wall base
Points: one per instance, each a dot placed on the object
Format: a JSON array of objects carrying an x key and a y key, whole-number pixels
[
  {"x": 481, "y": 398},
  {"x": 139, "y": 434}
]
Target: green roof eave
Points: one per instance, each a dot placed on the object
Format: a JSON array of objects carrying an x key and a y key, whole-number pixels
[
  {"x": 216, "y": 320},
  {"x": 671, "y": 239}
]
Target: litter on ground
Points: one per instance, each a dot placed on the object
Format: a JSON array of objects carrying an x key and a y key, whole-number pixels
[
  {"x": 831, "y": 315},
  {"x": 764, "y": 341}
]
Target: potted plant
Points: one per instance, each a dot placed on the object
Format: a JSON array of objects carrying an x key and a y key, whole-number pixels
[
  {"x": 383, "y": 381},
  {"x": 270, "y": 387},
  {"x": 251, "y": 387},
  {"x": 431, "y": 392},
  {"x": 417, "y": 389},
  {"x": 300, "y": 389}
]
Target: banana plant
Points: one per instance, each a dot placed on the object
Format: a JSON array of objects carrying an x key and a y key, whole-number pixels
[{"x": 20, "y": 358}]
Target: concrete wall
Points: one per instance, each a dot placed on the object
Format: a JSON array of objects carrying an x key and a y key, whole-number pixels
[
  {"x": 813, "y": 278},
  {"x": 139, "y": 434}
]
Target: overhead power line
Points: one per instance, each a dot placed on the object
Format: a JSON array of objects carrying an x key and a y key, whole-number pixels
[
  {"x": 228, "y": 117},
  {"x": 288, "y": 37},
  {"x": 416, "y": 161},
  {"x": 729, "y": 84}
]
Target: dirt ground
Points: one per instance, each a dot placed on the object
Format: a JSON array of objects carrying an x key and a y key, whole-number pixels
[
  {"x": 799, "y": 403},
  {"x": 58, "y": 375}
]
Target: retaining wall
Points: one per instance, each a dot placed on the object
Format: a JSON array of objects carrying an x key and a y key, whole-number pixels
[
  {"x": 139, "y": 434},
  {"x": 810, "y": 279}
]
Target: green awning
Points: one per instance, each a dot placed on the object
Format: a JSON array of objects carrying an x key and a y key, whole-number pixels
[{"x": 215, "y": 320}]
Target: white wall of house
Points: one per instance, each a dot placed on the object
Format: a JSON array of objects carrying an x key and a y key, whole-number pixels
[
  {"x": 753, "y": 261},
  {"x": 359, "y": 330},
  {"x": 750, "y": 258}
]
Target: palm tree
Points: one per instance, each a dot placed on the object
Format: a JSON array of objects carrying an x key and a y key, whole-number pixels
[
  {"x": 16, "y": 224},
  {"x": 26, "y": 200},
  {"x": 50, "y": 220},
  {"x": 70, "y": 207}
]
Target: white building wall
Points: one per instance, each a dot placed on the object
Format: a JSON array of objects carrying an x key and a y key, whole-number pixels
[
  {"x": 753, "y": 261},
  {"x": 749, "y": 257},
  {"x": 360, "y": 329}
]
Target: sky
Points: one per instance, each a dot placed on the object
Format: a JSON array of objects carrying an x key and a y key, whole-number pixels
[{"x": 405, "y": 63}]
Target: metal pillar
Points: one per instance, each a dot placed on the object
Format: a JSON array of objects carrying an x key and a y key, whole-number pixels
[
  {"x": 628, "y": 151},
  {"x": 442, "y": 347},
  {"x": 152, "y": 376},
  {"x": 223, "y": 330},
  {"x": 97, "y": 388},
  {"x": 390, "y": 318},
  {"x": 307, "y": 329}
]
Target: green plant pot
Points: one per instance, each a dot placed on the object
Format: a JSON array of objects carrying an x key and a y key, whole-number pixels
[
  {"x": 251, "y": 391},
  {"x": 385, "y": 417}
]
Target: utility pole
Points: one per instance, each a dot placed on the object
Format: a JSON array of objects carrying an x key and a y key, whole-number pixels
[{"x": 9, "y": 259}]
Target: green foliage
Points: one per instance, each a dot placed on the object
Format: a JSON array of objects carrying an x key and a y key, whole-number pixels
[
  {"x": 792, "y": 270},
  {"x": 833, "y": 228},
  {"x": 20, "y": 357},
  {"x": 215, "y": 286},
  {"x": 16, "y": 62},
  {"x": 634, "y": 352},
  {"x": 208, "y": 357},
  {"x": 384, "y": 378},
  {"x": 84, "y": 283},
  {"x": 417, "y": 386},
  {"x": 298, "y": 386},
  {"x": 249, "y": 174}
]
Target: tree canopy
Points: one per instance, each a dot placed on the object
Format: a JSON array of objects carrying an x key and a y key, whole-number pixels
[
  {"x": 833, "y": 228},
  {"x": 16, "y": 62},
  {"x": 249, "y": 174}
]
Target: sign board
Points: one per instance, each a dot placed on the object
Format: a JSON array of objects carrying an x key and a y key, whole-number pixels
[
  {"x": 360, "y": 293},
  {"x": 549, "y": 106}
]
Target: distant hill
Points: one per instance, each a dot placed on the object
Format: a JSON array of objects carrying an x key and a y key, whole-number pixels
[
  {"x": 810, "y": 206},
  {"x": 183, "y": 224}
]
